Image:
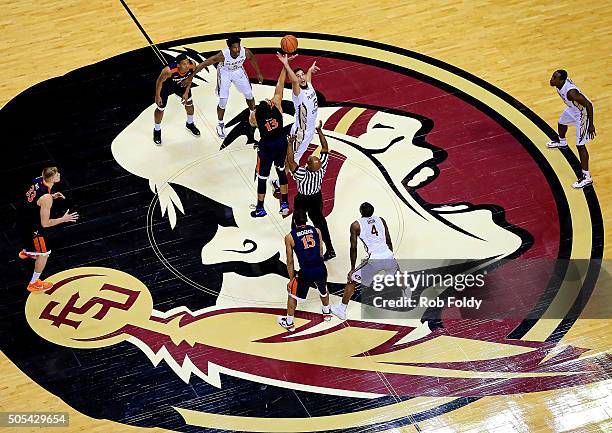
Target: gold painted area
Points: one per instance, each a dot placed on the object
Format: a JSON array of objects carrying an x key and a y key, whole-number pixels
[
  {"x": 312, "y": 424},
  {"x": 348, "y": 119}
]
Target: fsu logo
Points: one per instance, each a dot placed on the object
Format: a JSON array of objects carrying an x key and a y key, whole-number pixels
[{"x": 176, "y": 294}]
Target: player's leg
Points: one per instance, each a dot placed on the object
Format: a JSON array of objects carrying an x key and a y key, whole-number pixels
[
  {"x": 582, "y": 138},
  {"x": 159, "y": 114},
  {"x": 42, "y": 255},
  {"x": 315, "y": 213},
  {"x": 279, "y": 163},
  {"x": 301, "y": 146},
  {"x": 297, "y": 288},
  {"x": 223, "y": 85},
  {"x": 299, "y": 202},
  {"x": 355, "y": 280},
  {"x": 189, "y": 109},
  {"x": 321, "y": 285},
  {"x": 242, "y": 83},
  {"x": 262, "y": 172},
  {"x": 339, "y": 310},
  {"x": 565, "y": 119}
]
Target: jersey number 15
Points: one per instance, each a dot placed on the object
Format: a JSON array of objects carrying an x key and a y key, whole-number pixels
[{"x": 308, "y": 241}]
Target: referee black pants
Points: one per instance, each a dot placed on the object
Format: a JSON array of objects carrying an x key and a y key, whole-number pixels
[{"x": 313, "y": 206}]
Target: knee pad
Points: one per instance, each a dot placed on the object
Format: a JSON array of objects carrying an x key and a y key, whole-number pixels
[
  {"x": 282, "y": 176},
  {"x": 222, "y": 103},
  {"x": 261, "y": 185}
]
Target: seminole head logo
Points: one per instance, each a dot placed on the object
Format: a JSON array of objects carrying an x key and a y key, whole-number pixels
[
  {"x": 378, "y": 154},
  {"x": 178, "y": 291}
]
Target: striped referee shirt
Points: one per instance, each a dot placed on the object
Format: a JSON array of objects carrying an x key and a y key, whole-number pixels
[{"x": 309, "y": 182}]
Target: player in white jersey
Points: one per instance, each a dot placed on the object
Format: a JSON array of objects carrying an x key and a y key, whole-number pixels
[
  {"x": 579, "y": 112},
  {"x": 373, "y": 232},
  {"x": 306, "y": 105},
  {"x": 231, "y": 70}
]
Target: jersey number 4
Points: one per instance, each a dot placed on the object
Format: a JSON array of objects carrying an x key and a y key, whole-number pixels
[
  {"x": 374, "y": 231},
  {"x": 308, "y": 242},
  {"x": 271, "y": 124}
]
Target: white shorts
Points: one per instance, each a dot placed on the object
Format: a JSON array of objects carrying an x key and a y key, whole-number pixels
[
  {"x": 299, "y": 147},
  {"x": 240, "y": 80},
  {"x": 578, "y": 119},
  {"x": 364, "y": 274}
]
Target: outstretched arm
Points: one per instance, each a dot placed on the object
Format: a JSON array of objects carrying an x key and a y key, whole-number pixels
[
  {"x": 278, "y": 90},
  {"x": 210, "y": 61},
  {"x": 322, "y": 139},
  {"x": 574, "y": 95},
  {"x": 290, "y": 157},
  {"x": 295, "y": 81},
  {"x": 255, "y": 65}
]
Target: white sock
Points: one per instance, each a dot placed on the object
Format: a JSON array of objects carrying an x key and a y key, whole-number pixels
[
  {"x": 326, "y": 309},
  {"x": 221, "y": 123},
  {"x": 586, "y": 173},
  {"x": 158, "y": 126},
  {"x": 343, "y": 306},
  {"x": 289, "y": 320},
  {"x": 190, "y": 118},
  {"x": 35, "y": 276},
  {"x": 562, "y": 140}
]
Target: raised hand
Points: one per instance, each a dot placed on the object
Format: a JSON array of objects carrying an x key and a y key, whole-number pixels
[{"x": 284, "y": 59}]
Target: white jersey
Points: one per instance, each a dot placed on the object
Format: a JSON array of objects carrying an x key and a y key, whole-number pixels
[
  {"x": 567, "y": 86},
  {"x": 231, "y": 64},
  {"x": 374, "y": 237},
  {"x": 306, "y": 107}
]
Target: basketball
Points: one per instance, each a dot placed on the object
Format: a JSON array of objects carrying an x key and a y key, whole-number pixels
[{"x": 289, "y": 44}]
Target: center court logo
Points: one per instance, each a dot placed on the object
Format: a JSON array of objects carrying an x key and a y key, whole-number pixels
[{"x": 407, "y": 143}]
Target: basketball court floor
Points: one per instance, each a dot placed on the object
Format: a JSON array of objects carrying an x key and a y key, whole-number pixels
[{"x": 163, "y": 313}]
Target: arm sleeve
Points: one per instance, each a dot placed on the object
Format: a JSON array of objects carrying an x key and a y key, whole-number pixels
[
  {"x": 299, "y": 174},
  {"x": 324, "y": 158}
]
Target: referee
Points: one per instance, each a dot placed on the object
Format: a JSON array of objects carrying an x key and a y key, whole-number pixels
[{"x": 309, "y": 180}]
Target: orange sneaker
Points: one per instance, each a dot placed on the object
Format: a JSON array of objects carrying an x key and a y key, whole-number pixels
[
  {"x": 23, "y": 255},
  {"x": 39, "y": 286}
]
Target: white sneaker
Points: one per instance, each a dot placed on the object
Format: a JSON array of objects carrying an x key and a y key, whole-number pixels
[
  {"x": 326, "y": 316},
  {"x": 221, "y": 130},
  {"x": 282, "y": 321},
  {"x": 338, "y": 311},
  {"x": 556, "y": 144},
  {"x": 581, "y": 183}
]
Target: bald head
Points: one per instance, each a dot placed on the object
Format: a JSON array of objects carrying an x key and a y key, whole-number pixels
[{"x": 314, "y": 163}]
